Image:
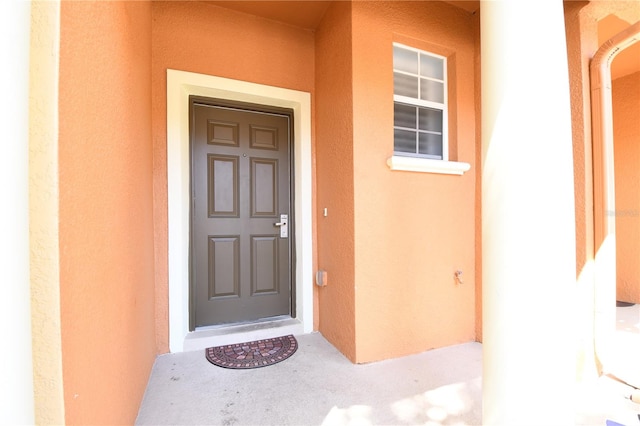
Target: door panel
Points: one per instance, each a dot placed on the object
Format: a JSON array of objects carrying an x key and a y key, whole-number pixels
[
  {"x": 264, "y": 264},
  {"x": 264, "y": 187},
  {"x": 222, "y": 186},
  {"x": 224, "y": 267},
  {"x": 241, "y": 266}
]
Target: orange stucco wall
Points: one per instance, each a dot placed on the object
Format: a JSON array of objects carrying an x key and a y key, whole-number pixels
[
  {"x": 106, "y": 214},
  {"x": 581, "y": 33},
  {"x": 625, "y": 71},
  {"x": 412, "y": 230},
  {"x": 626, "y": 111},
  {"x": 215, "y": 41},
  {"x": 388, "y": 267},
  {"x": 391, "y": 240},
  {"x": 582, "y": 43},
  {"x": 478, "y": 175},
  {"x": 583, "y": 40},
  {"x": 335, "y": 177}
]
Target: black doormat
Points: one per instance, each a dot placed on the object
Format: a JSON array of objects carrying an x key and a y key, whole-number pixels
[{"x": 259, "y": 353}]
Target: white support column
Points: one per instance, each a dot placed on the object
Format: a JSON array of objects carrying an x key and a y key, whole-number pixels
[
  {"x": 16, "y": 403},
  {"x": 528, "y": 222}
]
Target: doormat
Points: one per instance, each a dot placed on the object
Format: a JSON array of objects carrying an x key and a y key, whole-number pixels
[{"x": 259, "y": 353}]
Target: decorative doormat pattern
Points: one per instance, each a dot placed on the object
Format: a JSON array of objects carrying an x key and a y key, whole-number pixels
[{"x": 259, "y": 353}]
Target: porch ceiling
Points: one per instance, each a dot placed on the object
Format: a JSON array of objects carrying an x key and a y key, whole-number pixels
[
  {"x": 470, "y": 6},
  {"x": 304, "y": 14}
]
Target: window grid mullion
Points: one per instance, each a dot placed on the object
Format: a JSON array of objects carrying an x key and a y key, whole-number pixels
[
  {"x": 410, "y": 129},
  {"x": 417, "y": 125},
  {"x": 419, "y": 96},
  {"x": 417, "y": 103},
  {"x": 410, "y": 74}
]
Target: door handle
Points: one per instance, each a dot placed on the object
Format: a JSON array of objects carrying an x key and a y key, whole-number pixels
[{"x": 284, "y": 225}]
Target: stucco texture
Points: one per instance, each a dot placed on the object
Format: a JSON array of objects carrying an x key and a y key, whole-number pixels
[
  {"x": 335, "y": 177},
  {"x": 626, "y": 136},
  {"x": 412, "y": 230},
  {"x": 384, "y": 230},
  {"x": 215, "y": 41},
  {"x": 106, "y": 210},
  {"x": 391, "y": 241},
  {"x": 584, "y": 37}
]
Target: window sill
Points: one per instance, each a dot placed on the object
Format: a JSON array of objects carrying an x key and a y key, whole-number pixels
[{"x": 426, "y": 165}]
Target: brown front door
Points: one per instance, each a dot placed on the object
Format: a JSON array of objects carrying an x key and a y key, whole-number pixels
[{"x": 241, "y": 221}]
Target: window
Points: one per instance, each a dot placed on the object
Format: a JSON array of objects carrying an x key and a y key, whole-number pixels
[{"x": 420, "y": 103}]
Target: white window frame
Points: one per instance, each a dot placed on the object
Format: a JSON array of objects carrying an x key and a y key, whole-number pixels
[
  {"x": 416, "y": 162},
  {"x": 424, "y": 103}
]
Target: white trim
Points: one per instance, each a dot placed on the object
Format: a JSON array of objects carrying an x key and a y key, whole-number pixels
[
  {"x": 604, "y": 192},
  {"x": 415, "y": 49},
  {"x": 417, "y": 102},
  {"x": 408, "y": 100},
  {"x": 15, "y": 307},
  {"x": 44, "y": 212},
  {"x": 180, "y": 85},
  {"x": 427, "y": 165}
]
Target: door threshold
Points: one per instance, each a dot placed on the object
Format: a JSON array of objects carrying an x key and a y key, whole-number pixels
[{"x": 206, "y": 337}]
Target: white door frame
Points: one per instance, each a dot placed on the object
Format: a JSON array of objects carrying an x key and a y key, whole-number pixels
[{"x": 180, "y": 85}]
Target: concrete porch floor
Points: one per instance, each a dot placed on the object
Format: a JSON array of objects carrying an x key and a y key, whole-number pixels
[{"x": 319, "y": 386}]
